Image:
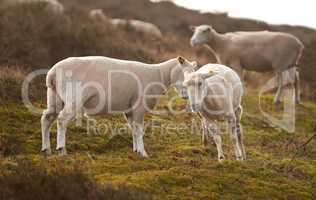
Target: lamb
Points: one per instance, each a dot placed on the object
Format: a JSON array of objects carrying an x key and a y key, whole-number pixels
[
  {"x": 95, "y": 86},
  {"x": 215, "y": 93},
  {"x": 145, "y": 28},
  {"x": 260, "y": 51},
  {"x": 53, "y": 5}
]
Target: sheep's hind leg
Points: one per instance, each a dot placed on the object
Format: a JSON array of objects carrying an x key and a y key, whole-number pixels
[
  {"x": 54, "y": 105},
  {"x": 64, "y": 117},
  {"x": 47, "y": 120}
]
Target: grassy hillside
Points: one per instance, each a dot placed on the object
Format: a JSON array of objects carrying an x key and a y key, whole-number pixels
[
  {"x": 101, "y": 165},
  {"x": 179, "y": 167}
]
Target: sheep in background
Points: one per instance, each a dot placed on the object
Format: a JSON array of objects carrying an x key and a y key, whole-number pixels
[
  {"x": 53, "y": 5},
  {"x": 145, "y": 28},
  {"x": 98, "y": 14},
  {"x": 260, "y": 51}
]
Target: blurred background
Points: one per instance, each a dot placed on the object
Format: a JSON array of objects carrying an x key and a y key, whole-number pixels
[{"x": 35, "y": 36}]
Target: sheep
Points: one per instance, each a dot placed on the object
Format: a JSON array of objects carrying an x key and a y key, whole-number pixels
[
  {"x": 260, "y": 51},
  {"x": 53, "y": 5},
  {"x": 145, "y": 28},
  {"x": 98, "y": 14},
  {"x": 101, "y": 85},
  {"x": 215, "y": 92},
  {"x": 116, "y": 23}
]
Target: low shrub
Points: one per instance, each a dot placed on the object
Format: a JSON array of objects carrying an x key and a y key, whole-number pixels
[{"x": 25, "y": 181}]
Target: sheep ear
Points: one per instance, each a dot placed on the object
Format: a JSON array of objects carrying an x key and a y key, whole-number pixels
[
  {"x": 208, "y": 75},
  {"x": 194, "y": 64},
  {"x": 192, "y": 28},
  {"x": 181, "y": 60}
]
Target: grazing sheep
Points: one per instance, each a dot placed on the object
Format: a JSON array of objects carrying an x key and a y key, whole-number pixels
[
  {"x": 215, "y": 92},
  {"x": 53, "y": 5},
  {"x": 145, "y": 28},
  {"x": 98, "y": 14},
  {"x": 118, "y": 22},
  {"x": 137, "y": 25},
  {"x": 101, "y": 85},
  {"x": 256, "y": 51}
]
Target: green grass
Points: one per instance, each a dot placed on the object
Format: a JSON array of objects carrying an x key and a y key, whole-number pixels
[{"x": 179, "y": 167}]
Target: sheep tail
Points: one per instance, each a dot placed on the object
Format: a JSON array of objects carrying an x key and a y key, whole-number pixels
[{"x": 51, "y": 80}]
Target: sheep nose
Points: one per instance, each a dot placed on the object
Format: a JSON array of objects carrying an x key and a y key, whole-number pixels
[
  {"x": 195, "y": 108},
  {"x": 184, "y": 94}
]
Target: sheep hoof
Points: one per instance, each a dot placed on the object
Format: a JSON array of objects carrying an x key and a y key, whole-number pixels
[
  {"x": 61, "y": 151},
  {"x": 298, "y": 102},
  {"x": 143, "y": 154},
  {"x": 277, "y": 102},
  {"x": 46, "y": 152},
  {"x": 221, "y": 159},
  {"x": 240, "y": 158}
]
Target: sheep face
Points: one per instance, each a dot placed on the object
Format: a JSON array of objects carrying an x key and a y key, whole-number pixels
[
  {"x": 197, "y": 89},
  {"x": 178, "y": 75},
  {"x": 202, "y": 34}
]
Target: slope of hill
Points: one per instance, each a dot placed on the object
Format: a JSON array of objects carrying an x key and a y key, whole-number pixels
[{"x": 179, "y": 167}]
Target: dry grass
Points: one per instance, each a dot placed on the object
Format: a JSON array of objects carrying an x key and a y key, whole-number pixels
[{"x": 23, "y": 180}]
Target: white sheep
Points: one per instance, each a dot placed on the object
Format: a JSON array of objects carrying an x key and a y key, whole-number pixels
[
  {"x": 98, "y": 14},
  {"x": 259, "y": 51},
  {"x": 215, "y": 92},
  {"x": 53, "y": 5},
  {"x": 145, "y": 28},
  {"x": 101, "y": 85}
]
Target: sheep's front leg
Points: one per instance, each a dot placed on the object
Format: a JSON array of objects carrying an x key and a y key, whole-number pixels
[
  {"x": 297, "y": 87},
  {"x": 239, "y": 69},
  {"x": 205, "y": 134},
  {"x": 279, "y": 91},
  {"x": 138, "y": 133},
  {"x": 215, "y": 132},
  {"x": 238, "y": 114},
  {"x": 129, "y": 120}
]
